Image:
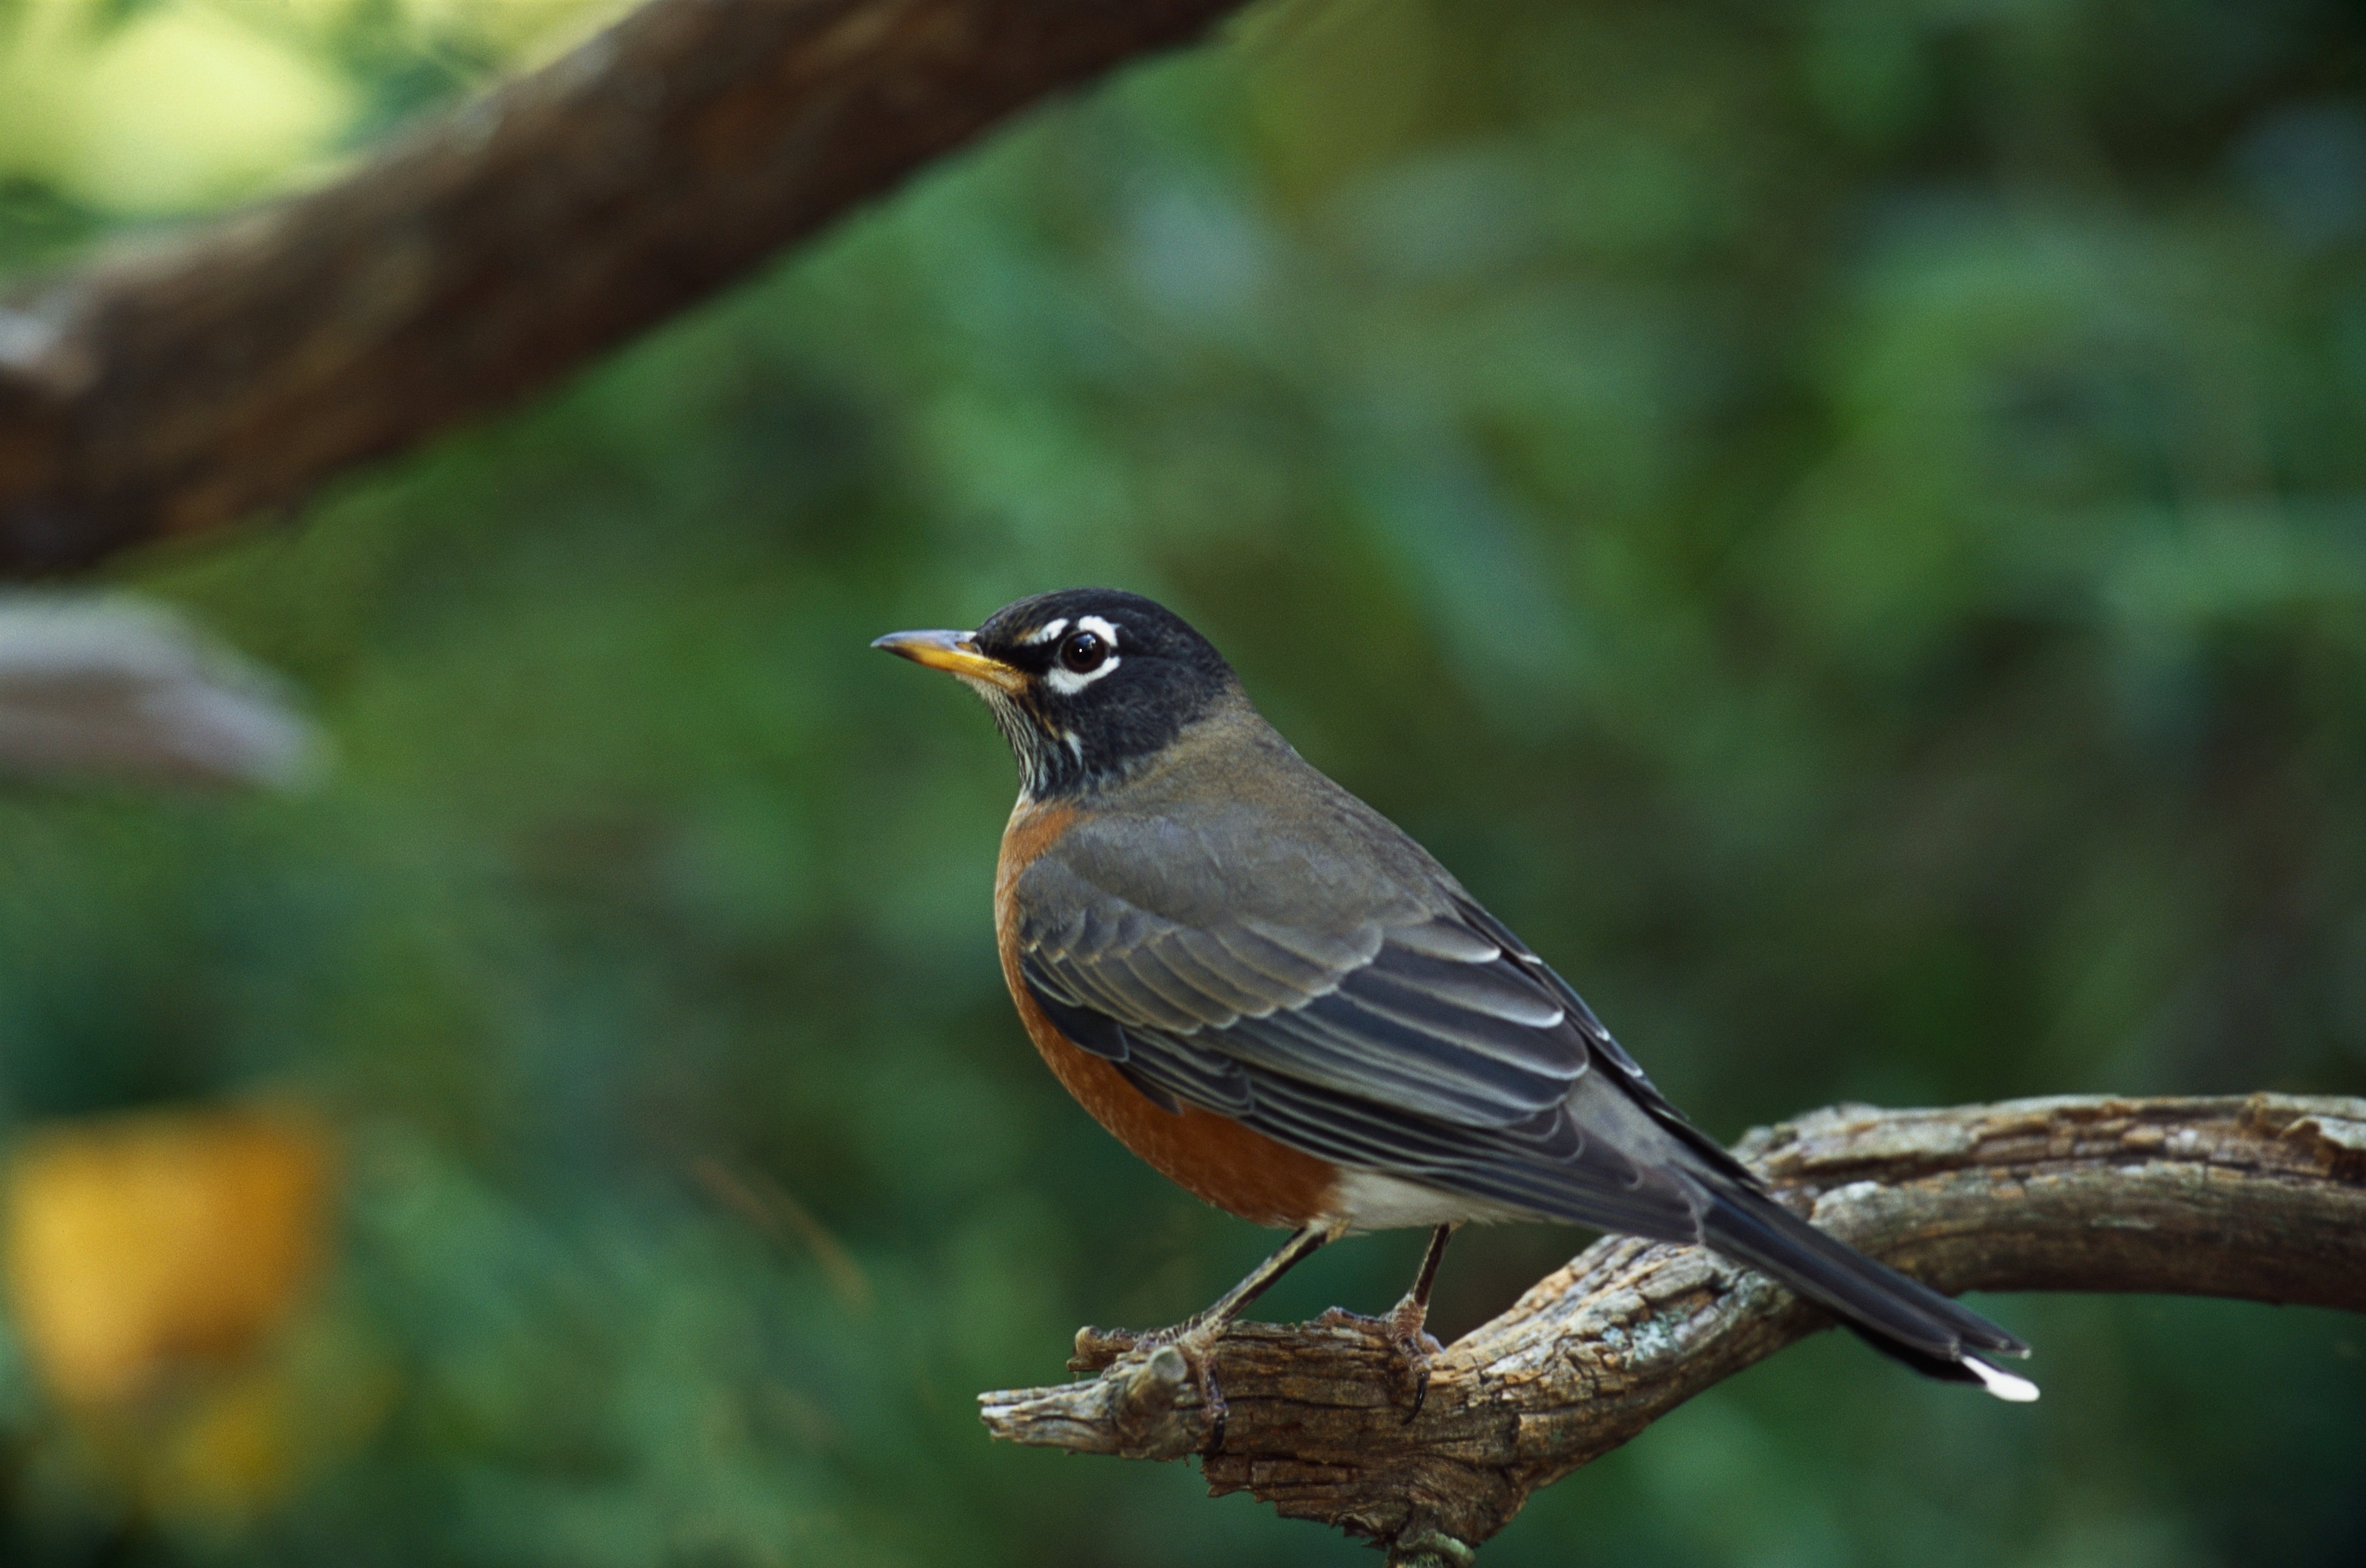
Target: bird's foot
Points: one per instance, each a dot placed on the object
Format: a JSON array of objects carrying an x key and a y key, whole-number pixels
[
  {"x": 1408, "y": 1342},
  {"x": 1098, "y": 1349}
]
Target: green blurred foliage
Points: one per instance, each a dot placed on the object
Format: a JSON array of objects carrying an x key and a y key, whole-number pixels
[{"x": 1843, "y": 520}]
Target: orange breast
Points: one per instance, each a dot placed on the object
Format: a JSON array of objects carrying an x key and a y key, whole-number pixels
[{"x": 1210, "y": 1156}]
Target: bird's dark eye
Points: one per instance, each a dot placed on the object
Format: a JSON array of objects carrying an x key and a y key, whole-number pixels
[{"x": 1084, "y": 652}]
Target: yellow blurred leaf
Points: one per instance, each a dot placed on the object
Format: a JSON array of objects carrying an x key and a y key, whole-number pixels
[{"x": 134, "y": 1246}]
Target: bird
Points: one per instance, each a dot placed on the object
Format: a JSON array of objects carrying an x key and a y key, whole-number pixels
[{"x": 1271, "y": 993}]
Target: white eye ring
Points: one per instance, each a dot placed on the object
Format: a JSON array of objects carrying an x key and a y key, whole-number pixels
[{"x": 1068, "y": 682}]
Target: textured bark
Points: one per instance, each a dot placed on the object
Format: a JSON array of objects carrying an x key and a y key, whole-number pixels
[
  {"x": 2261, "y": 1198},
  {"x": 187, "y": 384}
]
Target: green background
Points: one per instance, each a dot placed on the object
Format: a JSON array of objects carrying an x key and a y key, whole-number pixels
[{"x": 1844, "y": 522}]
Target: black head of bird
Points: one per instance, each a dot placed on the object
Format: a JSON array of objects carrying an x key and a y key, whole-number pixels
[{"x": 1086, "y": 683}]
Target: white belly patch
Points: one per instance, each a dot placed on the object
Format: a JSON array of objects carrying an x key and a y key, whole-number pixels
[{"x": 1368, "y": 1200}]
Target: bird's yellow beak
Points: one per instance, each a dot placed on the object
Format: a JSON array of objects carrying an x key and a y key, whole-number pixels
[{"x": 955, "y": 653}]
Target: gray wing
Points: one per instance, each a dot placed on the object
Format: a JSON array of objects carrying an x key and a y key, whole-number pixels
[{"x": 1422, "y": 1039}]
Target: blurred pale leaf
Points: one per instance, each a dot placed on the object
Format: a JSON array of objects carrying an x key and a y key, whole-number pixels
[{"x": 181, "y": 107}]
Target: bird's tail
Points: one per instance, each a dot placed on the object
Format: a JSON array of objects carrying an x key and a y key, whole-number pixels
[{"x": 1895, "y": 1316}]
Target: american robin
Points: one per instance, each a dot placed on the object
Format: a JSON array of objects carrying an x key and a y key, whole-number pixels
[{"x": 1269, "y": 992}]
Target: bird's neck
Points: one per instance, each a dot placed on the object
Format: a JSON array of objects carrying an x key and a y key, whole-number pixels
[{"x": 1072, "y": 764}]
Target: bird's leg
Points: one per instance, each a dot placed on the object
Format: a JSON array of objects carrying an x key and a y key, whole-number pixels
[
  {"x": 1403, "y": 1327},
  {"x": 1260, "y": 1280},
  {"x": 1410, "y": 1314}
]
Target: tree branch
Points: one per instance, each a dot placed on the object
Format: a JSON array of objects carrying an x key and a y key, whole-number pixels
[
  {"x": 2261, "y": 1198},
  {"x": 184, "y": 386}
]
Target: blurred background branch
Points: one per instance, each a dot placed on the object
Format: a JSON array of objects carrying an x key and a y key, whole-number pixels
[
  {"x": 116, "y": 689},
  {"x": 184, "y": 384},
  {"x": 2260, "y": 1199}
]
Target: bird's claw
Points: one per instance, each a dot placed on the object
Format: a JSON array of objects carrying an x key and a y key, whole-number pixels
[
  {"x": 1098, "y": 1348},
  {"x": 1410, "y": 1345}
]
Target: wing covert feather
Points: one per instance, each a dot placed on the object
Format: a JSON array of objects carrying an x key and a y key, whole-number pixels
[{"x": 1426, "y": 1015}]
